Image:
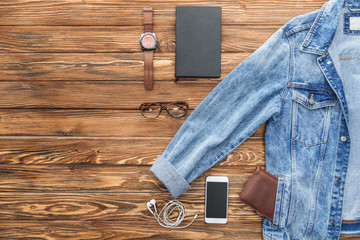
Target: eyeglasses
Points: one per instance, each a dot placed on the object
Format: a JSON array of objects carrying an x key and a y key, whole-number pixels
[{"x": 174, "y": 109}]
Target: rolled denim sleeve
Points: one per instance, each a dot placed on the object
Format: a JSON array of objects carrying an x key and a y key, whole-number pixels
[{"x": 246, "y": 98}]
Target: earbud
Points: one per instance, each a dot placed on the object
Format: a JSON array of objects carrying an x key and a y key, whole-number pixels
[
  {"x": 150, "y": 204},
  {"x": 149, "y": 207},
  {"x": 153, "y": 203}
]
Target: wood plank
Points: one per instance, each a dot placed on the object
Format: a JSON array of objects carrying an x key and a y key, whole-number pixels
[
  {"x": 37, "y": 229},
  {"x": 96, "y": 229},
  {"x": 112, "y": 39},
  {"x": 89, "y": 122},
  {"x": 99, "y": 94},
  {"x": 122, "y": 12},
  {"x": 99, "y": 66},
  {"x": 122, "y": 208},
  {"x": 109, "y": 151},
  {"x": 125, "y": 209},
  {"x": 81, "y": 178}
]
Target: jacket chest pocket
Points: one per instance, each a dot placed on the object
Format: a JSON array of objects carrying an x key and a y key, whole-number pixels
[{"x": 311, "y": 113}]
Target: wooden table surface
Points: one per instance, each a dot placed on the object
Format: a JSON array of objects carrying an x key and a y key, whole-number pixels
[{"x": 75, "y": 151}]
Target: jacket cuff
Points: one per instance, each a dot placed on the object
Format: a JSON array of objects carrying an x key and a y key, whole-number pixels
[{"x": 168, "y": 175}]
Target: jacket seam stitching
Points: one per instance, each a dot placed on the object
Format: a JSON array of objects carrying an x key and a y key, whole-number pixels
[
  {"x": 351, "y": 221},
  {"x": 349, "y": 56},
  {"x": 295, "y": 85},
  {"x": 282, "y": 202},
  {"x": 350, "y": 234},
  {"x": 298, "y": 29},
  {"x": 319, "y": 173},
  {"x": 334, "y": 87},
  {"x": 314, "y": 26},
  {"x": 316, "y": 105},
  {"x": 293, "y": 166},
  {"x": 286, "y": 89},
  {"x": 336, "y": 160},
  {"x": 307, "y": 145}
]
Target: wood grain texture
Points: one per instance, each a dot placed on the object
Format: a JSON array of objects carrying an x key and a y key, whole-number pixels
[
  {"x": 36, "y": 229},
  {"x": 98, "y": 95},
  {"x": 99, "y": 66},
  {"x": 108, "y": 151},
  {"x": 119, "y": 207},
  {"x": 115, "y": 213},
  {"x": 240, "y": 228},
  {"x": 122, "y": 12},
  {"x": 75, "y": 152},
  {"x": 111, "y": 39},
  {"x": 84, "y": 178},
  {"x": 89, "y": 122}
]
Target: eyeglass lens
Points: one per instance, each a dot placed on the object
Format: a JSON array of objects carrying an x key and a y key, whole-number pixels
[
  {"x": 151, "y": 110},
  {"x": 176, "y": 110}
]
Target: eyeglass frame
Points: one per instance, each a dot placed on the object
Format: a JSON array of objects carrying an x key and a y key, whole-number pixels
[{"x": 161, "y": 104}]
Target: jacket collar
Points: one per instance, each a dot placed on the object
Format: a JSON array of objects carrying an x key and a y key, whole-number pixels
[{"x": 323, "y": 29}]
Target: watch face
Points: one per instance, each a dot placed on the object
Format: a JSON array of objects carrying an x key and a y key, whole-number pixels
[{"x": 148, "y": 41}]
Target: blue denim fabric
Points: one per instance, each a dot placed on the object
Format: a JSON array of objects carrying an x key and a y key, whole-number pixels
[{"x": 304, "y": 81}]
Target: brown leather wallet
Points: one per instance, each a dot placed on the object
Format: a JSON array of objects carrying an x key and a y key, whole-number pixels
[{"x": 259, "y": 192}]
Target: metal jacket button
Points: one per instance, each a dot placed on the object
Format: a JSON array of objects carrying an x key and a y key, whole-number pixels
[
  {"x": 311, "y": 101},
  {"x": 333, "y": 222},
  {"x": 343, "y": 138}
]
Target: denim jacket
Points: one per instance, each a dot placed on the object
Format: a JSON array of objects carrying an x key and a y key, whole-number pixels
[{"x": 305, "y": 82}]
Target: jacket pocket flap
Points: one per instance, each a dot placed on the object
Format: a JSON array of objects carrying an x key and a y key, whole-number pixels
[{"x": 313, "y": 98}]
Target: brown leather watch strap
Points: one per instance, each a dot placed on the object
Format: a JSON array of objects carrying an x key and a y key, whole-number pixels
[
  {"x": 149, "y": 72},
  {"x": 148, "y": 54},
  {"x": 148, "y": 19}
]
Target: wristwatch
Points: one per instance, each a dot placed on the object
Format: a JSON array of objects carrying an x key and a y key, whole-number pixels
[{"x": 148, "y": 44}]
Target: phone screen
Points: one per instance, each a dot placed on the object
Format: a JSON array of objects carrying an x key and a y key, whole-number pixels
[{"x": 216, "y": 200}]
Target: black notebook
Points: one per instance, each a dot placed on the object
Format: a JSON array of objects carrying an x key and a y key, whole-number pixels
[{"x": 198, "y": 41}]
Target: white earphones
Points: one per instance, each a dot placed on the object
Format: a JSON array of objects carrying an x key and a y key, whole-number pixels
[
  {"x": 166, "y": 222},
  {"x": 150, "y": 204}
]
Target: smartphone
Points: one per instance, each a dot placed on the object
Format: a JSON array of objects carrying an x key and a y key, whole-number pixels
[{"x": 216, "y": 199}]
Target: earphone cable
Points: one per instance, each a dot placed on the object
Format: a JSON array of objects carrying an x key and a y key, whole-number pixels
[{"x": 167, "y": 211}]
